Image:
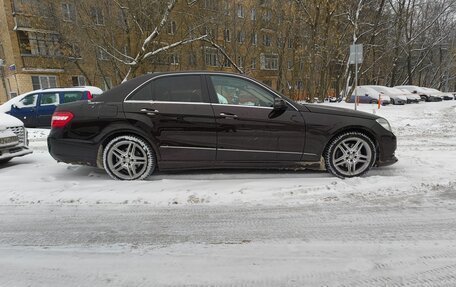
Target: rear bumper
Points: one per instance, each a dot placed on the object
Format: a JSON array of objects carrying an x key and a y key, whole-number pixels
[{"x": 73, "y": 151}]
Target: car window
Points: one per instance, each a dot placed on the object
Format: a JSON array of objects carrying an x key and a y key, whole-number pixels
[
  {"x": 27, "y": 101},
  {"x": 69, "y": 97},
  {"x": 178, "y": 89},
  {"x": 236, "y": 91},
  {"x": 49, "y": 99},
  {"x": 186, "y": 88}
]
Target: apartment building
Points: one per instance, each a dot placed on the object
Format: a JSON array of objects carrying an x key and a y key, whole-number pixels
[{"x": 70, "y": 43}]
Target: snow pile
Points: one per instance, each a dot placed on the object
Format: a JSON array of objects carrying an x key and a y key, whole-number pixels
[{"x": 427, "y": 164}]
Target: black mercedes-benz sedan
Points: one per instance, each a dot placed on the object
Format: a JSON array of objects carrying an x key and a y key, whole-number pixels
[{"x": 204, "y": 120}]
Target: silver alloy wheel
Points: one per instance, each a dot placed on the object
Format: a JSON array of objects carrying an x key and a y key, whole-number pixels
[
  {"x": 352, "y": 156},
  {"x": 128, "y": 158}
]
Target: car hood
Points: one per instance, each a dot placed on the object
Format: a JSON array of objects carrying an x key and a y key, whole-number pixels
[
  {"x": 321, "y": 109},
  {"x": 7, "y": 121}
]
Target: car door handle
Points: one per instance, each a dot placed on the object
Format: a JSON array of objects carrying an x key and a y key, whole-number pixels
[
  {"x": 228, "y": 116},
  {"x": 150, "y": 112}
]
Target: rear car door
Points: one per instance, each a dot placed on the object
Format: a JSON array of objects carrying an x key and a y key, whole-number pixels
[
  {"x": 46, "y": 106},
  {"x": 177, "y": 113},
  {"x": 248, "y": 128},
  {"x": 25, "y": 110}
]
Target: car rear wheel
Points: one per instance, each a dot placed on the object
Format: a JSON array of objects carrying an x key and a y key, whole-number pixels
[
  {"x": 350, "y": 154},
  {"x": 128, "y": 158}
]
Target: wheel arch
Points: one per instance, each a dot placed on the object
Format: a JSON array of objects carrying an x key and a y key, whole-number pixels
[
  {"x": 124, "y": 129},
  {"x": 360, "y": 129}
]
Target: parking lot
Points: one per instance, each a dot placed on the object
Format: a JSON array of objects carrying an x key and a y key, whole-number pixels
[{"x": 393, "y": 227}]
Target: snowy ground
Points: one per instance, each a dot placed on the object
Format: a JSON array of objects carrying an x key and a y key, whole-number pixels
[{"x": 64, "y": 225}]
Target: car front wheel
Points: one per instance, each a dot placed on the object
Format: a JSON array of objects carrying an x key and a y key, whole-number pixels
[
  {"x": 350, "y": 154},
  {"x": 128, "y": 158}
]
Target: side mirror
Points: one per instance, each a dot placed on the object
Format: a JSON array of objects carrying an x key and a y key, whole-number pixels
[
  {"x": 415, "y": 92},
  {"x": 13, "y": 106},
  {"x": 280, "y": 104}
]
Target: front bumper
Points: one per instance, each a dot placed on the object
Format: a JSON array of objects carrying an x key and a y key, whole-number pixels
[{"x": 14, "y": 151}]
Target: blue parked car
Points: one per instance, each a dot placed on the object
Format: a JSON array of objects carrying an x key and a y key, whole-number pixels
[{"x": 35, "y": 108}]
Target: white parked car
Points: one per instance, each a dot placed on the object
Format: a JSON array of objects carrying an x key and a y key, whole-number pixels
[
  {"x": 396, "y": 98},
  {"x": 444, "y": 96},
  {"x": 13, "y": 138},
  {"x": 411, "y": 98},
  {"x": 425, "y": 95}
]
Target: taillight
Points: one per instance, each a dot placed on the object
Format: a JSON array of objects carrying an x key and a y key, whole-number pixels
[
  {"x": 61, "y": 119},
  {"x": 89, "y": 95}
]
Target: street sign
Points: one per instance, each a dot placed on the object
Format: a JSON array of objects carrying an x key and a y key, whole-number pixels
[{"x": 356, "y": 54}]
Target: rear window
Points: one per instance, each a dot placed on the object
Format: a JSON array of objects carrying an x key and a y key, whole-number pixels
[
  {"x": 185, "y": 88},
  {"x": 69, "y": 97}
]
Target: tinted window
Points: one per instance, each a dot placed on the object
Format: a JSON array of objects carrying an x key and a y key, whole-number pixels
[
  {"x": 236, "y": 91},
  {"x": 27, "y": 101},
  {"x": 178, "y": 89},
  {"x": 69, "y": 97},
  {"x": 143, "y": 94},
  {"x": 49, "y": 99}
]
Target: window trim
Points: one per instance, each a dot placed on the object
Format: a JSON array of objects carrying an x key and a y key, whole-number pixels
[
  {"x": 204, "y": 90},
  {"x": 205, "y": 86},
  {"x": 53, "y": 104}
]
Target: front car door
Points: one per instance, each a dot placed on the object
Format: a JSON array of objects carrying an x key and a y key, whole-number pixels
[
  {"x": 248, "y": 128},
  {"x": 179, "y": 116},
  {"x": 25, "y": 110},
  {"x": 46, "y": 106}
]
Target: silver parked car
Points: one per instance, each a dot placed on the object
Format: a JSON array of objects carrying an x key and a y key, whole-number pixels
[{"x": 13, "y": 138}]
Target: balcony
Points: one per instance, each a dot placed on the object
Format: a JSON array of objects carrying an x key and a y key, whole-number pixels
[{"x": 33, "y": 63}]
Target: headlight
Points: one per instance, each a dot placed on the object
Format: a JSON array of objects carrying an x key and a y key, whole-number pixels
[{"x": 384, "y": 123}]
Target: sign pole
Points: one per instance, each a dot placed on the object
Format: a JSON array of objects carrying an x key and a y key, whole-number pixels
[{"x": 356, "y": 77}]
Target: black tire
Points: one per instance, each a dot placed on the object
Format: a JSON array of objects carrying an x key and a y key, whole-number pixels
[
  {"x": 335, "y": 158},
  {"x": 3, "y": 161},
  {"x": 137, "y": 162},
  {"x": 392, "y": 102}
]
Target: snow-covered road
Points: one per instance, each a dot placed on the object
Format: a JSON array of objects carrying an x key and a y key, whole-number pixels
[{"x": 65, "y": 225}]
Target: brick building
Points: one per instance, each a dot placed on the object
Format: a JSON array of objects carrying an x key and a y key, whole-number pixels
[{"x": 47, "y": 44}]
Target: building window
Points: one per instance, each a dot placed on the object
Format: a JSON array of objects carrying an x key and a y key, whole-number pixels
[
  {"x": 299, "y": 85},
  {"x": 44, "y": 82},
  {"x": 240, "y": 62},
  {"x": 267, "y": 16},
  {"x": 226, "y": 63},
  {"x": 69, "y": 12},
  {"x": 226, "y": 35},
  {"x": 106, "y": 83},
  {"x": 227, "y": 7},
  {"x": 210, "y": 31},
  {"x": 240, "y": 11},
  {"x": 267, "y": 40},
  {"x": 98, "y": 16},
  {"x": 269, "y": 61},
  {"x": 211, "y": 56},
  {"x": 290, "y": 43},
  {"x": 254, "y": 39},
  {"x": 290, "y": 65},
  {"x": 241, "y": 36},
  {"x": 174, "y": 59},
  {"x": 253, "y": 14},
  {"x": 102, "y": 54},
  {"x": 79, "y": 81},
  {"x": 75, "y": 51},
  {"x": 192, "y": 59},
  {"x": 210, "y": 4},
  {"x": 172, "y": 28},
  {"x": 253, "y": 64},
  {"x": 40, "y": 44}
]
